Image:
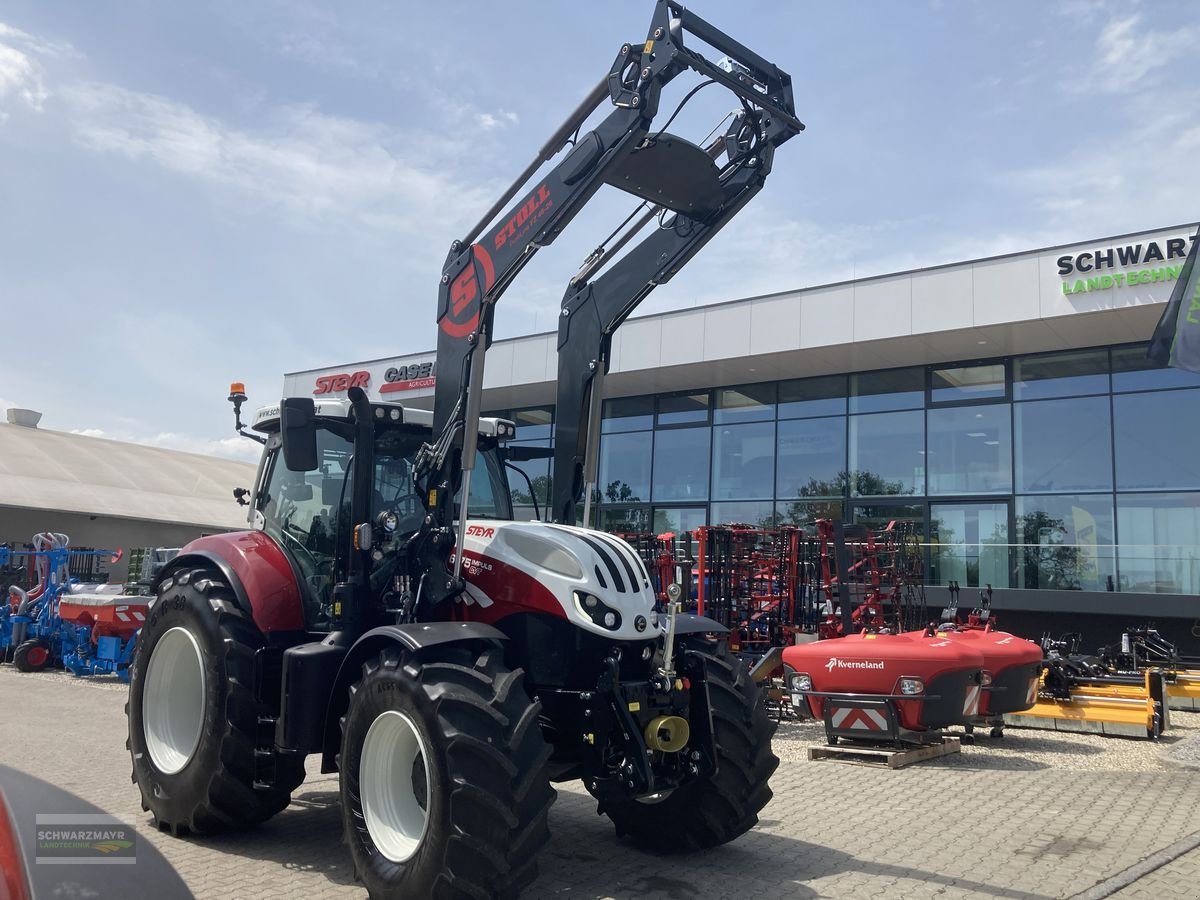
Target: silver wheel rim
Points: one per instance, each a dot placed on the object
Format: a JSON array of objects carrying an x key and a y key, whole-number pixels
[
  {"x": 173, "y": 701},
  {"x": 655, "y": 799},
  {"x": 395, "y": 809}
]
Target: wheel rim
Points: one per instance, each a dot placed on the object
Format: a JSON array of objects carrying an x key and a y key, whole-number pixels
[
  {"x": 173, "y": 701},
  {"x": 393, "y": 780},
  {"x": 37, "y": 656},
  {"x": 656, "y": 798}
]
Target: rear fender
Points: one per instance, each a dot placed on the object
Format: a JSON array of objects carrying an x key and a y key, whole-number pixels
[
  {"x": 409, "y": 637},
  {"x": 258, "y": 573}
]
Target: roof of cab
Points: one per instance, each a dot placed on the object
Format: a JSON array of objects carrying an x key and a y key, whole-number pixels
[{"x": 267, "y": 418}]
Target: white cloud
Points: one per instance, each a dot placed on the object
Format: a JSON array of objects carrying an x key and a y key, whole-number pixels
[
  {"x": 1128, "y": 55},
  {"x": 1142, "y": 175},
  {"x": 488, "y": 121},
  {"x": 34, "y": 44},
  {"x": 1083, "y": 11},
  {"x": 314, "y": 167},
  {"x": 21, "y": 77},
  {"x": 236, "y": 447},
  {"x": 318, "y": 52},
  {"x": 768, "y": 251}
]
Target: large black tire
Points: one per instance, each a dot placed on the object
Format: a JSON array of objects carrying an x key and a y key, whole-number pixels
[
  {"x": 215, "y": 789},
  {"x": 485, "y": 766},
  {"x": 32, "y": 656},
  {"x": 708, "y": 813}
]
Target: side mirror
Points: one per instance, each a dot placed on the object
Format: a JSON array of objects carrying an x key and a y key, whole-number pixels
[
  {"x": 297, "y": 423},
  {"x": 331, "y": 491},
  {"x": 297, "y": 493}
]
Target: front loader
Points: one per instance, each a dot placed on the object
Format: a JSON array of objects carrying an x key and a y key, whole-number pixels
[{"x": 386, "y": 613}]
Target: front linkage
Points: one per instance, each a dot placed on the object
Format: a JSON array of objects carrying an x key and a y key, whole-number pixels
[{"x": 642, "y": 738}]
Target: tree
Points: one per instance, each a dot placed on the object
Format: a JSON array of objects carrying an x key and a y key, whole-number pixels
[
  {"x": 620, "y": 492},
  {"x": 541, "y": 490},
  {"x": 858, "y": 483},
  {"x": 1050, "y": 562}
]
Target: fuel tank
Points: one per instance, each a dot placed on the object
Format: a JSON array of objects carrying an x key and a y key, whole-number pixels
[
  {"x": 932, "y": 682},
  {"x": 1015, "y": 666}
]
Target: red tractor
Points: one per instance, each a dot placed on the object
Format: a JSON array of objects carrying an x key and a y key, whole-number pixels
[{"x": 384, "y": 611}]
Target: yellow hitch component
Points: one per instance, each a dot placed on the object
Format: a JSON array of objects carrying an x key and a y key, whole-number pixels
[
  {"x": 667, "y": 734},
  {"x": 649, "y": 48},
  {"x": 433, "y": 497},
  {"x": 1183, "y": 690},
  {"x": 1129, "y": 710}
]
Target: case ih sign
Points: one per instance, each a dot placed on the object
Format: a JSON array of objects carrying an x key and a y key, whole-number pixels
[
  {"x": 410, "y": 377},
  {"x": 391, "y": 377},
  {"x": 343, "y": 381}
]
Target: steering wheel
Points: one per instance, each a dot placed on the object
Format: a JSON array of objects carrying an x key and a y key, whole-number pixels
[{"x": 299, "y": 545}]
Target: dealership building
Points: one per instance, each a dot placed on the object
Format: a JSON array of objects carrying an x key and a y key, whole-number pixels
[{"x": 1005, "y": 404}]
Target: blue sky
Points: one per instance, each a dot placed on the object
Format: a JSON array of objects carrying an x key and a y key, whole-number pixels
[{"x": 215, "y": 191}]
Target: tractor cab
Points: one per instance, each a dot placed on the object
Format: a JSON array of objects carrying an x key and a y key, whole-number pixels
[{"x": 308, "y": 511}]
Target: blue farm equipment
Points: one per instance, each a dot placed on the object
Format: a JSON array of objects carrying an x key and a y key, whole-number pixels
[
  {"x": 33, "y": 634},
  {"x": 98, "y": 630}
]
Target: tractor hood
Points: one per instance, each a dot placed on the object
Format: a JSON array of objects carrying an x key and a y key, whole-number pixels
[{"x": 594, "y": 580}]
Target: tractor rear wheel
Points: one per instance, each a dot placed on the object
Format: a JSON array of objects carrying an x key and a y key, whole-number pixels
[
  {"x": 32, "y": 656},
  {"x": 193, "y": 716},
  {"x": 705, "y": 814},
  {"x": 444, "y": 785}
]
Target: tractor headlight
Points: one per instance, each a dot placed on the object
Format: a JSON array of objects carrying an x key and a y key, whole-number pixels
[
  {"x": 801, "y": 682},
  {"x": 911, "y": 686},
  {"x": 596, "y": 610}
]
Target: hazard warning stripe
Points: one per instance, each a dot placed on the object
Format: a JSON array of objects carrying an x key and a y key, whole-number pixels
[
  {"x": 1031, "y": 697},
  {"x": 971, "y": 706},
  {"x": 855, "y": 717}
]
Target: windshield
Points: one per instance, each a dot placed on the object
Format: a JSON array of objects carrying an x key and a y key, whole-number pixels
[{"x": 308, "y": 512}]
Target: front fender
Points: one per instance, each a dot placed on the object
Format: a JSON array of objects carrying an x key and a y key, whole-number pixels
[
  {"x": 412, "y": 638},
  {"x": 258, "y": 573},
  {"x": 690, "y": 623}
]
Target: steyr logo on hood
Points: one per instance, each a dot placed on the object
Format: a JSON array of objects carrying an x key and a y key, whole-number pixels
[{"x": 835, "y": 663}]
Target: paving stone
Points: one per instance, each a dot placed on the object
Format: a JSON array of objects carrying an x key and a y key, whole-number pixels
[{"x": 1036, "y": 815}]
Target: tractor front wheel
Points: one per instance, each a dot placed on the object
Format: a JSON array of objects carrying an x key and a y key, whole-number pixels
[
  {"x": 193, "y": 716},
  {"x": 32, "y": 656},
  {"x": 708, "y": 813},
  {"x": 444, "y": 785}
]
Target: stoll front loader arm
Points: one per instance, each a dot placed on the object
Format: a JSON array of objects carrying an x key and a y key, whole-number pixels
[{"x": 693, "y": 198}]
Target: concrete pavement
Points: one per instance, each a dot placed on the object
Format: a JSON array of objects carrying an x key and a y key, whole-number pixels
[{"x": 982, "y": 824}]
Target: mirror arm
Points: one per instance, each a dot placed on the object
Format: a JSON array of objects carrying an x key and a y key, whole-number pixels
[{"x": 254, "y": 437}]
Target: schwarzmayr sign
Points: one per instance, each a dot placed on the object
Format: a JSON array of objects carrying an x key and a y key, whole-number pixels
[{"x": 1090, "y": 270}]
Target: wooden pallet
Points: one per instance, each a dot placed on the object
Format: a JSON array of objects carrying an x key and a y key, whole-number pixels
[{"x": 885, "y": 756}]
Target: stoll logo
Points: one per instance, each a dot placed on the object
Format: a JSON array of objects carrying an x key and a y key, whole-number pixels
[{"x": 835, "y": 663}]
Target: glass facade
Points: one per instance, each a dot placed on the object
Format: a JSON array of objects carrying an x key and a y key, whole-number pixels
[{"x": 1072, "y": 470}]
